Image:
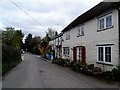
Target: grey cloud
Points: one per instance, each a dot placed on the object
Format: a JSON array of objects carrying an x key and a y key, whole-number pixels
[{"x": 48, "y": 13}]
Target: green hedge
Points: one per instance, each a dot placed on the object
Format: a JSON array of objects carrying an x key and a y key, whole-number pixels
[{"x": 10, "y": 58}]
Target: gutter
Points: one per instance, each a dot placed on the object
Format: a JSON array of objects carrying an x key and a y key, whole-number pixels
[{"x": 116, "y": 7}]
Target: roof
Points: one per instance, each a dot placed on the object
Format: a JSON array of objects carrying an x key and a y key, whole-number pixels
[
  {"x": 59, "y": 35},
  {"x": 90, "y": 14}
]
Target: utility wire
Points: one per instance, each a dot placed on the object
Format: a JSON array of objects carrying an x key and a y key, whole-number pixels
[{"x": 25, "y": 12}]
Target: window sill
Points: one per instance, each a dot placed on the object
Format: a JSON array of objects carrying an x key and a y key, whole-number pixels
[
  {"x": 110, "y": 64},
  {"x": 80, "y": 35},
  {"x": 104, "y": 29},
  {"x": 67, "y": 38}
]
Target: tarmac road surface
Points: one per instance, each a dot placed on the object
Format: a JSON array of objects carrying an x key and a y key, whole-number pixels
[{"x": 34, "y": 72}]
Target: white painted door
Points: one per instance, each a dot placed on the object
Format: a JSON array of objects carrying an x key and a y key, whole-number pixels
[{"x": 79, "y": 54}]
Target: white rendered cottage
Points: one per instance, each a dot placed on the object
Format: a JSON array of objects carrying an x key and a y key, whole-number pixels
[
  {"x": 93, "y": 37},
  {"x": 56, "y": 45}
]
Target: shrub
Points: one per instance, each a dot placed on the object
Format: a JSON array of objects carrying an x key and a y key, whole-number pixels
[
  {"x": 72, "y": 65},
  {"x": 64, "y": 62},
  {"x": 84, "y": 69},
  {"x": 116, "y": 73},
  {"x": 10, "y": 58},
  {"x": 96, "y": 69},
  {"x": 90, "y": 66},
  {"x": 107, "y": 75}
]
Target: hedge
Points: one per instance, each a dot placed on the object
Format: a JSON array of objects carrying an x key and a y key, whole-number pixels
[{"x": 10, "y": 58}]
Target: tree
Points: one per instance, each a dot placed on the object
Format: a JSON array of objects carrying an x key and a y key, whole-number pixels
[
  {"x": 11, "y": 45},
  {"x": 44, "y": 45},
  {"x": 36, "y": 41},
  {"x": 27, "y": 42},
  {"x": 32, "y": 43},
  {"x": 51, "y": 33},
  {"x": 12, "y": 37}
]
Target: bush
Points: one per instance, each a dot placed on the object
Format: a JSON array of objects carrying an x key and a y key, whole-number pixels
[
  {"x": 76, "y": 66},
  {"x": 116, "y": 73},
  {"x": 63, "y": 62},
  {"x": 72, "y": 65},
  {"x": 36, "y": 51},
  {"x": 96, "y": 69},
  {"x": 107, "y": 75},
  {"x": 90, "y": 66},
  {"x": 10, "y": 58}
]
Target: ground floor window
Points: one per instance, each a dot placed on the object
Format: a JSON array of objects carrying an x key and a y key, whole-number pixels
[
  {"x": 104, "y": 54},
  {"x": 66, "y": 50}
]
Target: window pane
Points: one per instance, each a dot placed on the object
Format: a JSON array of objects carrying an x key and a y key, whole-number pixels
[
  {"x": 68, "y": 35},
  {"x": 68, "y": 51},
  {"x": 107, "y": 58},
  {"x": 101, "y": 23},
  {"x": 63, "y": 50},
  {"x": 107, "y": 50},
  {"x": 82, "y": 30},
  {"x": 78, "y": 31},
  {"x": 100, "y": 53},
  {"x": 109, "y": 21},
  {"x": 107, "y": 54}
]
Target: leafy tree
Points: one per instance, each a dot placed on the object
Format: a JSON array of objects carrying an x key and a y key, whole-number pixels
[
  {"x": 11, "y": 45},
  {"x": 32, "y": 43},
  {"x": 44, "y": 45},
  {"x": 27, "y": 42},
  {"x": 12, "y": 37},
  {"x": 36, "y": 41}
]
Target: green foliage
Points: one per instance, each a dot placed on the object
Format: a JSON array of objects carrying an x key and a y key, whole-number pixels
[
  {"x": 10, "y": 58},
  {"x": 90, "y": 66},
  {"x": 107, "y": 75},
  {"x": 11, "y": 45},
  {"x": 36, "y": 51},
  {"x": 28, "y": 44},
  {"x": 116, "y": 73},
  {"x": 44, "y": 45},
  {"x": 12, "y": 37},
  {"x": 61, "y": 62},
  {"x": 96, "y": 69},
  {"x": 31, "y": 44},
  {"x": 0, "y": 69}
]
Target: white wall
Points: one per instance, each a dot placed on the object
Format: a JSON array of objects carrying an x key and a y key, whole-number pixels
[{"x": 93, "y": 38}]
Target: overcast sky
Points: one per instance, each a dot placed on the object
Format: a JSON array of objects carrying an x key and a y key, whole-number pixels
[{"x": 37, "y": 16}]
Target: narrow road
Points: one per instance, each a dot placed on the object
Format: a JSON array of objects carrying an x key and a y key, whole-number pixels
[{"x": 33, "y": 72}]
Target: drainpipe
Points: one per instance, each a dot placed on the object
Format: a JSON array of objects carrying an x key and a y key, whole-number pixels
[
  {"x": 118, "y": 27},
  {"x": 119, "y": 32}
]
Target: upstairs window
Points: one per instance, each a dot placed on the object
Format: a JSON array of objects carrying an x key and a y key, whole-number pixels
[
  {"x": 102, "y": 23},
  {"x": 105, "y": 22},
  {"x": 109, "y": 21},
  {"x": 67, "y": 35},
  {"x": 81, "y": 30}
]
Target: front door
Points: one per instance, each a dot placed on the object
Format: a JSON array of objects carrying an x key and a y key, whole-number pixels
[{"x": 81, "y": 54}]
